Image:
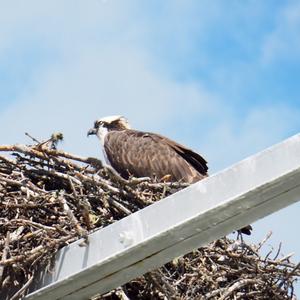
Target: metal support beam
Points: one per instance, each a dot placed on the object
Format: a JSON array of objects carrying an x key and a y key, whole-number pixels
[{"x": 205, "y": 211}]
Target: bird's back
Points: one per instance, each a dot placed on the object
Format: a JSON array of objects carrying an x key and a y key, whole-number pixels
[{"x": 142, "y": 154}]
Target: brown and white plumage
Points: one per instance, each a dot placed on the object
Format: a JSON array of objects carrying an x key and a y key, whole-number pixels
[{"x": 144, "y": 154}]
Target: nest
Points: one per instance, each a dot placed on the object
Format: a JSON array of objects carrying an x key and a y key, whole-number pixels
[{"x": 50, "y": 198}]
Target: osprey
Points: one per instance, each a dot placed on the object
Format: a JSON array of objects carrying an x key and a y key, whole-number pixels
[{"x": 144, "y": 154}]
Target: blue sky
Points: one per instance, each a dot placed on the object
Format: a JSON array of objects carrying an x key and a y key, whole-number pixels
[{"x": 222, "y": 77}]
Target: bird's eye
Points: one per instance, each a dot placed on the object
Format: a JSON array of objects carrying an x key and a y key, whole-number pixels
[{"x": 97, "y": 124}]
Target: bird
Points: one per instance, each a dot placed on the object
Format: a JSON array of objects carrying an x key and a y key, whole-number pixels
[{"x": 133, "y": 153}]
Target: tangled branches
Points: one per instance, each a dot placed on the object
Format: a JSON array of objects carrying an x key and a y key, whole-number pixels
[
  {"x": 49, "y": 198},
  {"x": 224, "y": 269}
]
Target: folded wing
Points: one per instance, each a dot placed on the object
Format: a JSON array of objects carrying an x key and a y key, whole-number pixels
[{"x": 142, "y": 154}]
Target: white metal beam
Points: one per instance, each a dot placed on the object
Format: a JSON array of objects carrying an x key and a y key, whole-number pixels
[{"x": 205, "y": 211}]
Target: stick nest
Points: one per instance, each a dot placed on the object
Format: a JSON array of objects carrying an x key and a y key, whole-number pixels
[{"x": 50, "y": 198}]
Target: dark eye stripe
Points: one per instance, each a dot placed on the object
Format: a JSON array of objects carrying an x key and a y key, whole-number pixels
[{"x": 98, "y": 123}]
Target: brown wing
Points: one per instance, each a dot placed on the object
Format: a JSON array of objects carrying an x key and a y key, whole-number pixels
[
  {"x": 143, "y": 154},
  {"x": 193, "y": 158}
]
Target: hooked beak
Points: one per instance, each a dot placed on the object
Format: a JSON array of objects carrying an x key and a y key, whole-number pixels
[{"x": 92, "y": 131}]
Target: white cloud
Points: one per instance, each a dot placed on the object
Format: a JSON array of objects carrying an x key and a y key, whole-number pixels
[
  {"x": 283, "y": 42},
  {"x": 235, "y": 138},
  {"x": 106, "y": 80},
  {"x": 63, "y": 25},
  {"x": 102, "y": 68}
]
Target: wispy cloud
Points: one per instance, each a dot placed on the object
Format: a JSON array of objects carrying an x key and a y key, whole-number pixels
[
  {"x": 235, "y": 138},
  {"x": 97, "y": 82},
  {"x": 283, "y": 42},
  {"x": 100, "y": 67}
]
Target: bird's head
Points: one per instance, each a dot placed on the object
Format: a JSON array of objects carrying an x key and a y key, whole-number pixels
[{"x": 106, "y": 124}]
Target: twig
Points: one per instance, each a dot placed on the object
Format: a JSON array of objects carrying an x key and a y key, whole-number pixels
[
  {"x": 32, "y": 189},
  {"x": 31, "y": 223},
  {"x": 121, "y": 294},
  {"x": 278, "y": 251},
  {"x": 81, "y": 232},
  {"x": 236, "y": 286},
  {"x": 29, "y": 255},
  {"x": 286, "y": 257},
  {"x": 264, "y": 241},
  {"x": 119, "y": 206},
  {"x": 31, "y": 137},
  {"x": 292, "y": 273},
  {"x": 23, "y": 289},
  {"x": 4, "y": 253}
]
